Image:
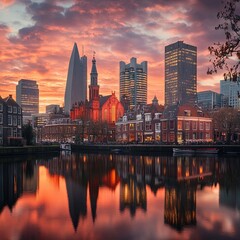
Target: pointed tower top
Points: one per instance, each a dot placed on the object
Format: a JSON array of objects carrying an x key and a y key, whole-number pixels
[{"x": 94, "y": 74}]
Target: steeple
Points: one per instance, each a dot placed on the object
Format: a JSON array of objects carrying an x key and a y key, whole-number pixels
[{"x": 94, "y": 74}]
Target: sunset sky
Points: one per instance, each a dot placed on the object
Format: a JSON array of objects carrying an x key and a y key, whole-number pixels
[{"x": 37, "y": 37}]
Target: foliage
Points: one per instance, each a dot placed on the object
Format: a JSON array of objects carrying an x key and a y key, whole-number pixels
[
  {"x": 28, "y": 134},
  {"x": 227, "y": 120},
  {"x": 224, "y": 52}
]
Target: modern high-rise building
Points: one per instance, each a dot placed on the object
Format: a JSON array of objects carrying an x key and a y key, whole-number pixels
[
  {"x": 231, "y": 92},
  {"x": 180, "y": 74},
  {"x": 27, "y": 96},
  {"x": 133, "y": 82},
  {"x": 76, "y": 87},
  {"x": 208, "y": 100}
]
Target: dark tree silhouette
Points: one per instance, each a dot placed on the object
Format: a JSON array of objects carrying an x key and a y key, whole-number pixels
[
  {"x": 28, "y": 134},
  {"x": 226, "y": 55}
]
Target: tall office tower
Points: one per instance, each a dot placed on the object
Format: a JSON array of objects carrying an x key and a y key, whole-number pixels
[
  {"x": 180, "y": 74},
  {"x": 231, "y": 92},
  {"x": 208, "y": 100},
  {"x": 133, "y": 82},
  {"x": 76, "y": 87},
  {"x": 27, "y": 95}
]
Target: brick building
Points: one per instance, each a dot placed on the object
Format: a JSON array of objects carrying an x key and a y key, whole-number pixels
[
  {"x": 10, "y": 122},
  {"x": 185, "y": 124},
  {"x": 141, "y": 125}
]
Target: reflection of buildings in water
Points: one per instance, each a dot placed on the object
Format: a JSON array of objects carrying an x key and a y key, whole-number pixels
[
  {"x": 132, "y": 196},
  {"x": 11, "y": 175},
  {"x": 77, "y": 201},
  {"x": 229, "y": 188},
  {"x": 80, "y": 171},
  {"x": 180, "y": 204},
  {"x": 30, "y": 178},
  {"x": 16, "y": 179}
]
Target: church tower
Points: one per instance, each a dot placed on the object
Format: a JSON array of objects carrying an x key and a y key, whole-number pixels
[{"x": 94, "y": 93}]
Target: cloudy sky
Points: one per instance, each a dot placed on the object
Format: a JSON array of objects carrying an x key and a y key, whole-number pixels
[{"x": 37, "y": 37}]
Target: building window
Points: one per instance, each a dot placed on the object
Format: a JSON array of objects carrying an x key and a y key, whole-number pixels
[
  {"x": 187, "y": 125},
  {"x": 207, "y": 126},
  {"x": 207, "y": 136},
  {"x": 157, "y": 127},
  {"x": 19, "y": 121},
  {"x": 131, "y": 126},
  {"x": 1, "y": 107},
  {"x": 1, "y": 118},
  {"x": 179, "y": 124},
  {"x": 139, "y": 126},
  {"x": 164, "y": 125},
  {"x": 10, "y": 109},
  {"x": 14, "y": 120},
  {"x": 148, "y": 117},
  {"x": 172, "y": 136},
  {"x": 10, "y": 120},
  {"x": 14, "y": 109},
  {"x": 14, "y": 132},
  {"x": 201, "y": 126},
  {"x": 171, "y": 124},
  {"x": 194, "y": 125},
  {"x": 124, "y": 118},
  {"x": 124, "y": 127},
  {"x": 148, "y": 126},
  {"x": 164, "y": 137},
  {"x": 19, "y": 110}
]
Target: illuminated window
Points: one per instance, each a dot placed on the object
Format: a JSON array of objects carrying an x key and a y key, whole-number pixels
[
  {"x": 131, "y": 126},
  {"x": 179, "y": 124},
  {"x": 113, "y": 111}
]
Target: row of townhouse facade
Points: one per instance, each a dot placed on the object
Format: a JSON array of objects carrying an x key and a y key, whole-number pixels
[
  {"x": 175, "y": 124},
  {"x": 10, "y": 122}
]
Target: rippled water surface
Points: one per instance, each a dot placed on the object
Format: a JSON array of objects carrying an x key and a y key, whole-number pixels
[{"x": 97, "y": 196}]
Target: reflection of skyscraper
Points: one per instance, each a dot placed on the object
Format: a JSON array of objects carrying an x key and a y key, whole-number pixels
[
  {"x": 77, "y": 201},
  {"x": 76, "y": 87},
  {"x": 180, "y": 204},
  {"x": 132, "y": 196},
  {"x": 180, "y": 73},
  {"x": 133, "y": 82}
]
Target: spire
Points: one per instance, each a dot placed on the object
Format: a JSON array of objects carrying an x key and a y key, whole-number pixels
[{"x": 94, "y": 74}]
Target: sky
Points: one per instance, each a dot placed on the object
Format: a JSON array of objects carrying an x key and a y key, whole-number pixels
[{"x": 37, "y": 37}]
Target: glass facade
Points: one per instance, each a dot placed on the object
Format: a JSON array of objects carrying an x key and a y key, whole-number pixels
[
  {"x": 133, "y": 82},
  {"x": 231, "y": 91},
  {"x": 180, "y": 74},
  {"x": 28, "y": 97}
]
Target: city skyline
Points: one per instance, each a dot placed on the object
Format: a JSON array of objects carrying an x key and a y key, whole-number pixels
[{"x": 37, "y": 39}]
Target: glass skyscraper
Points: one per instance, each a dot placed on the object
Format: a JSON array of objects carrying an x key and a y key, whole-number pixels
[
  {"x": 180, "y": 74},
  {"x": 76, "y": 86},
  {"x": 231, "y": 92},
  {"x": 133, "y": 82},
  {"x": 27, "y": 95}
]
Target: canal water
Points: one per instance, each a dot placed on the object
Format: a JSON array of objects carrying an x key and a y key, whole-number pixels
[{"x": 112, "y": 196}]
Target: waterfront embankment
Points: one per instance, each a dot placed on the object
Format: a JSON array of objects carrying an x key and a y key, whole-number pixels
[
  {"x": 149, "y": 148},
  {"x": 10, "y": 151}
]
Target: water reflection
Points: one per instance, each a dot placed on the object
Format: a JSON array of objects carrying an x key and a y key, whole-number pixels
[{"x": 132, "y": 179}]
